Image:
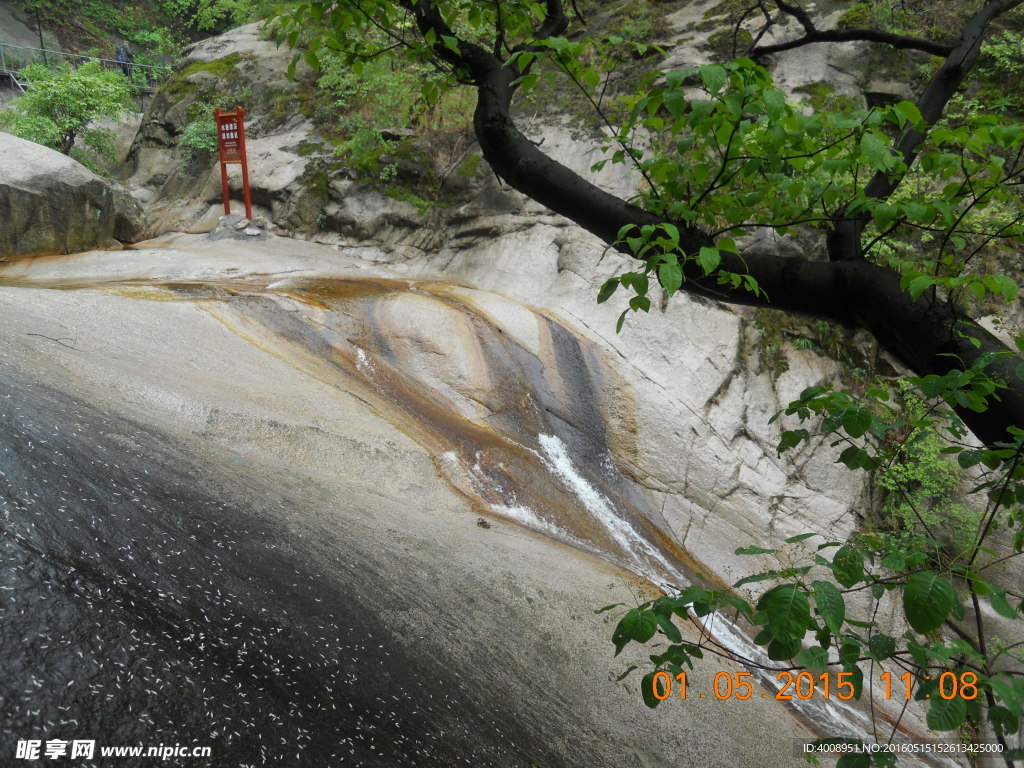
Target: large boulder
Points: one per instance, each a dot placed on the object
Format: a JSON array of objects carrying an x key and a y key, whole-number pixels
[{"x": 51, "y": 204}]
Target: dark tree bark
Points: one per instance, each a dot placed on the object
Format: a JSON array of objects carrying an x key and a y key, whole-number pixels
[
  {"x": 814, "y": 35},
  {"x": 847, "y": 288}
]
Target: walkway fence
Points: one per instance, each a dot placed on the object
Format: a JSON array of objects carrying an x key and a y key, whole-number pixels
[{"x": 145, "y": 77}]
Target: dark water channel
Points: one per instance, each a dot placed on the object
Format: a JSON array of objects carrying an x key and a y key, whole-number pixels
[{"x": 150, "y": 597}]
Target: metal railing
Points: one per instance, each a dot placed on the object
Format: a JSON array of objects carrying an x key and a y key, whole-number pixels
[{"x": 144, "y": 77}]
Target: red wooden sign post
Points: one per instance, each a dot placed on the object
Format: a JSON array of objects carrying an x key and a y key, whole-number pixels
[{"x": 231, "y": 140}]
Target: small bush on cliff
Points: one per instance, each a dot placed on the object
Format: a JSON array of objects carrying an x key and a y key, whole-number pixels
[
  {"x": 359, "y": 104},
  {"x": 217, "y": 15},
  {"x": 63, "y": 106},
  {"x": 197, "y": 144}
]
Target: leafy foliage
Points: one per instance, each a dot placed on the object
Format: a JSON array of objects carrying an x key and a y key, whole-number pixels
[
  {"x": 197, "y": 143},
  {"x": 933, "y": 577},
  {"x": 217, "y": 15},
  {"x": 356, "y": 108},
  {"x": 63, "y": 105}
]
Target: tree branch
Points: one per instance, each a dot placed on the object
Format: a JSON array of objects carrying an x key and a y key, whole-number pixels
[
  {"x": 848, "y": 35},
  {"x": 797, "y": 13},
  {"x": 844, "y": 242}
]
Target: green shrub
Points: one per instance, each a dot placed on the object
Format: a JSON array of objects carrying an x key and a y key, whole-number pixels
[
  {"x": 62, "y": 106},
  {"x": 923, "y": 485},
  {"x": 354, "y": 107},
  {"x": 197, "y": 143}
]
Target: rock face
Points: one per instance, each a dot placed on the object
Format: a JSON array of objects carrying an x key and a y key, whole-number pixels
[
  {"x": 51, "y": 204},
  {"x": 695, "y": 433},
  {"x": 353, "y": 433},
  {"x": 240, "y": 65}
]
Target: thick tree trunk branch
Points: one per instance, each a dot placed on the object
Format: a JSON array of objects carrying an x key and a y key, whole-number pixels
[
  {"x": 853, "y": 292},
  {"x": 942, "y": 87},
  {"x": 814, "y": 35}
]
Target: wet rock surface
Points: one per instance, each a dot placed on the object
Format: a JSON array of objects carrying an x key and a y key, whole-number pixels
[{"x": 215, "y": 533}]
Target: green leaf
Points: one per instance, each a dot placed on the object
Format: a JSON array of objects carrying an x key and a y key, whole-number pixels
[
  {"x": 709, "y": 259},
  {"x": 927, "y": 601},
  {"x": 676, "y": 103},
  {"x": 848, "y": 566},
  {"x": 647, "y": 689},
  {"x": 753, "y": 550},
  {"x": 919, "y": 285},
  {"x": 857, "y": 421},
  {"x": 1010, "y": 693},
  {"x": 799, "y": 537},
  {"x": 792, "y": 438},
  {"x": 782, "y": 650},
  {"x": 639, "y": 625},
  {"x": 1003, "y": 720},
  {"x": 788, "y": 611},
  {"x": 968, "y": 459},
  {"x": 813, "y": 658},
  {"x": 607, "y": 290},
  {"x": 713, "y": 76},
  {"x": 830, "y": 604},
  {"x": 946, "y": 714},
  {"x": 756, "y": 578},
  {"x": 1001, "y": 605},
  {"x": 909, "y": 111},
  {"x": 884, "y": 215},
  {"x": 671, "y": 276},
  {"x": 881, "y": 647},
  {"x": 671, "y": 630},
  {"x": 856, "y": 458},
  {"x": 857, "y": 678},
  {"x": 875, "y": 150},
  {"x": 640, "y": 304}
]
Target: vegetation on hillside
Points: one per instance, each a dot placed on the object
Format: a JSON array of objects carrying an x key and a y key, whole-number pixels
[
  {"x": 156, "y": 30},
  {"x": 63, "y": 105}
]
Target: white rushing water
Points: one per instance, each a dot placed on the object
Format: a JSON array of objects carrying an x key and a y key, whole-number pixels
[
  {"x": 644, "y": 554},
  {"x": 535, "y": 522},
  {"x": 829, "y": 715}
]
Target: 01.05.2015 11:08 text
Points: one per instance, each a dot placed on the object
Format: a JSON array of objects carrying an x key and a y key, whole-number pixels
[{"x": 804, "y": 685}]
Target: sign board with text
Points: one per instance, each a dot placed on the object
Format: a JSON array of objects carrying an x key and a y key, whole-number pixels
[{"x": 231, "y": 143}]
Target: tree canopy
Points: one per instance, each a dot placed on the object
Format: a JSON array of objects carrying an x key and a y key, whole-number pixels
[
  {"x": 64, "y": 104},
  {"x": 923, "y": 213}
]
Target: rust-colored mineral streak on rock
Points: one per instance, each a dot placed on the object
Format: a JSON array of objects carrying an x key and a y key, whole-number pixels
[{"x": 512, "y": 406}]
